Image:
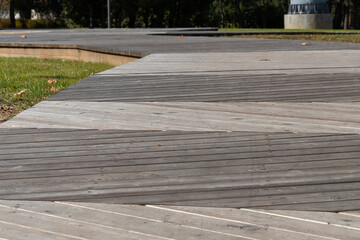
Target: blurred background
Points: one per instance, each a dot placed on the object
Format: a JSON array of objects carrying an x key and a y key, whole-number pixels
[{"x": 162, "y": 13}]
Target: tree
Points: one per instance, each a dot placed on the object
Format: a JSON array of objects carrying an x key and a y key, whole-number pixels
[
  {"x": 176, "y": 13},
  {"x": 90, "y": 13},
  {"x": 12, "y": 14}
]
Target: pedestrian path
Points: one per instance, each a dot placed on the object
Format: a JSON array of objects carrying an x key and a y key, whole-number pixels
[{"x": 219, "y": 139}]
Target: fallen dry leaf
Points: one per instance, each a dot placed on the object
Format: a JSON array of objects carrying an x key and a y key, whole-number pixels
[
  {"x": 21, "y": 93},
  {"x": 305, "y": 44},
  {"x": 52, "y": 81},
  {"x": 159, "y": 145},
  {"x": 53, "y": 89},
  {"x": 23, "y": 36},
  {"x": 264, "y": 60},
  {"x": 181, "y": 36}
]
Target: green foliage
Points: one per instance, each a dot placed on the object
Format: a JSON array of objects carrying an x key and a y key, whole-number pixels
[
  {"x": 38, "y": 23},
  {"x": 177, "y": 13},
  {"x": 351, "y": 38}
]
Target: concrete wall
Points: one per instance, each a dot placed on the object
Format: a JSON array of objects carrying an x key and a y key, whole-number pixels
[
  {"x": 72, "y": 54},
  {"x": 308, "y": 21}
]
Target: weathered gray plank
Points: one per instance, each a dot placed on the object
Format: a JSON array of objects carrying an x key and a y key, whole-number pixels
[
  {"x": 314, "y": 171},
  {"x": 320, "y": 223},
  {"x": 57, "y": 227},
  {"x": 236, "y": 224},
  {"x": 260, "y": 117},
  {"x": 113, "y": 222}
]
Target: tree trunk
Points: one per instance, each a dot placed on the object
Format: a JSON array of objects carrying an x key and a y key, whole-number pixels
[
  {"x": 356, "y": 14},
  {"x": 238, "y": 13},
  {"x": 221, "y": 13},
  {"x": 12, "y": 14},
  {"x": 91, "y": 16},
  {"x": 338, "y": 18},
  {"x": 348, "y": 15},
  {"x": 172, "y": 15}
]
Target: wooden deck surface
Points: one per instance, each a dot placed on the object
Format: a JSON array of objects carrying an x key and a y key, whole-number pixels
[
  {"x": 205, "y": 138},
  {"x": 318, "y": 172},
  {"x": 68, "y": 220},
  {"x": 194, "y": 116},
  {"x": 336, "y": 87}
]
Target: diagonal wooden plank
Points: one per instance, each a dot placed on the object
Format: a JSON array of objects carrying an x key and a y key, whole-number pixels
[{"x": 197, "y": 116}]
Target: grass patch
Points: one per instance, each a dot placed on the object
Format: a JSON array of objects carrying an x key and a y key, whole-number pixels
[
  {"x": 332, "y": 35},
  {"x": 288, "y": 30},
  {"x": 27, "y": 81},
  {"x": 350, "y": 38}
]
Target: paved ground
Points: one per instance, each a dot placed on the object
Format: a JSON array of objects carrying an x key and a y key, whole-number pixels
[
  {"x": 226, "y": 123},
  {"x": 141, "y": 41}
]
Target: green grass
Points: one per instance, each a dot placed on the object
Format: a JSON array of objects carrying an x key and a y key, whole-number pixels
[
  {"x": 32, "y": 75},
  {"x": 305, "y": 34},
  {"x": 350, "y": 38},
  {"x": 287, "y": 30}
]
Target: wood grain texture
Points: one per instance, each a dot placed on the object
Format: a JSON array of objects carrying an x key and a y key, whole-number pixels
[
  {"x": 194, "y": 116},
  {"x": 243, "y": 63},
  {"x": 218, "y": 169},
  {"x": 207, "y": 140},
  {"x": 69, "y": 220},
  {"x": 141, "y": 41},
  {"x": 340, "y": 87}
]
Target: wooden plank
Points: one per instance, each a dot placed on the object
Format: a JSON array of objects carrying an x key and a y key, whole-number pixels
[
  {"x": 146, "y": 227},
  {"x": 14, "y": 231},
  {"x": 281, "y": 62},
  {"x": 351, "y": 213},
  {"x": 53, "y": 227},
  {"x": 286, "y": 202},
  {"x": 199, "y": 144},
  {"x": 177, "y": 170},
  {"x": 168, "y": 219},
  {"x": 331, "y": 225},
  {"x": 222, "y": 166},
  {"x": 331, "y": 206},
  {"x": 114, "y": 195},
  {"x": 159, "y": 116},
  {"x": 170, "y": 139}
]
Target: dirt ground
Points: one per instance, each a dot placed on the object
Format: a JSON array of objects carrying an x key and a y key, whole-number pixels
[{"x": 6, "y": 112}]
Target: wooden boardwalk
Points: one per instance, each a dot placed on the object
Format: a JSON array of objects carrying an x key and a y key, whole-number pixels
[
  {"x": 205, "y": 138},
  {"x": 239, "y": 169},
  {"x": 66, "y": 220},
  {"x": 336, "y": 87}
]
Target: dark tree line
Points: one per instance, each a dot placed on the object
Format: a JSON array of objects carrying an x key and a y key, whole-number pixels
[{"x": 176, "y": 13}]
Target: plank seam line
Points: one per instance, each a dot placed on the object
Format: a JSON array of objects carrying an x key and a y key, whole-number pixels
[
  {"x": 85, "y": 222},
  {"x": 105, "y": 211},
  {"x": 188, "y": 142},
  {"x": 197, "y": 155},
  {"x": 15, "y": 168},
  {"x": 222, "y": 233},
  {"x": 142, "y": 194},
  {"x": 172, "y": 149},
  {"x": 159, "y": 125},
  {"x": 133, "y": 216},
  {"x": 177, "y": 162},
  {"x": 42, "y": 230},
  {"x": 349, "y": 214},
  {"x": 305, "y": 174},
  {"x": 237, "y": 221},
  {"x": 300, "y": 219}
]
